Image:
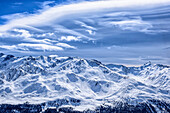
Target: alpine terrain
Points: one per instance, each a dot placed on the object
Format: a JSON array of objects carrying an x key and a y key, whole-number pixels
[{"x": 71, "y": 84}]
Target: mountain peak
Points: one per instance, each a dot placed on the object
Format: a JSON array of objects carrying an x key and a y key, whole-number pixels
[
  {"x": 147, "y": 64},
  {"x": 1, "y": 54}
]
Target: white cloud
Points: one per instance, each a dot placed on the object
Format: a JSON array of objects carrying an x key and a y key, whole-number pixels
[
  {"x": 65, "y": 45},
  {"x": 69, "y": 38},
  {"x": 28, "y": 46},
  {"x": 45, "y": 35},
  {"x": 9, "y": 47},
  {"x": 26, "y": 36},
  {"x": 85, "y": 25},
  {"x": 133, "y": 25},
  {"x": 23, "y": 32},
  {"x": 116, "y": 47},
  {"x": 44, "y": 41},
  {"x": 43, "y": 47},
  {"x": 14, "y": 16},
  {"x": 48, "y": 40},
  {"x": 91, "y": 32},
  {"x": 57, "y": 24},
  {"x": 62, "y": 29},
  {"x": 16, "y": 33},
  {"x": 18, "y": 3},
  {"x": 46, "y": 4},
  {"x": 57, "y": 13}
]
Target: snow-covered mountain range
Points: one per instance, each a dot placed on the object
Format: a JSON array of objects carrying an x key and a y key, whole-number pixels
[{"x": 79, "y": 83}]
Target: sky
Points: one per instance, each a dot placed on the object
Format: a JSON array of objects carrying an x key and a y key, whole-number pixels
[{"x": 128, "y": 32}]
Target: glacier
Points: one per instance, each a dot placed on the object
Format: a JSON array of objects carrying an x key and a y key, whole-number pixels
[{"x": 81, "y": 84}]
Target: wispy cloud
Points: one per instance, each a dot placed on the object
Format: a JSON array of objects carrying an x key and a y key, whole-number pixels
[
  {"x": 26, "y": 36},
  {"x": 133, "y": 25},
  {"x": 58, "y": 27},
  {"x": 14, "y": 16},
  {"x": 47, "y": 3},
  {"x": 85, "y": 25},
  {"x": 23, "y": 33},
  {"x": 18, "y": 3},
  {"x": 29, "y": 46},
  {"x": 57, "y": 12},
  {"x": 69, "y": 38},
  {"x": 136, "y": 25},
  {"x": 65, "y": 45},
  {"x": 9, "y": 47},
  {"x": 43, "y": 47}
]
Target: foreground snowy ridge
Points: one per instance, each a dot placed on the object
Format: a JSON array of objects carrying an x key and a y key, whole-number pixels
[{"x": 80, "y": 83}]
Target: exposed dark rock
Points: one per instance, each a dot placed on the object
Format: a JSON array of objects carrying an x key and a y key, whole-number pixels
[
  {"x": 8, "y": 57},
  {"x": 151, "y": 106}
]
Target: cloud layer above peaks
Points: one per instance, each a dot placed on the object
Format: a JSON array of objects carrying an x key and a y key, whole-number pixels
[{"x": 73, "y": 26}]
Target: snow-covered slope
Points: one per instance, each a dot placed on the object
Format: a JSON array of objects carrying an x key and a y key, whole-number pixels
[{"x": 71, "y": 81}]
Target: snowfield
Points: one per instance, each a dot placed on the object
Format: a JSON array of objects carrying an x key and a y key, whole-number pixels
[{"x": 79, "y": 83}]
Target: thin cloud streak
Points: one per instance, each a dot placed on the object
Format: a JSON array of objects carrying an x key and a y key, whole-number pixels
[{"x": 28, "y": 46}]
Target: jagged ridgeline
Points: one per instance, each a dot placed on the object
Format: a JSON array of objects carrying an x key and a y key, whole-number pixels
[{"x": 71, "y": 84}]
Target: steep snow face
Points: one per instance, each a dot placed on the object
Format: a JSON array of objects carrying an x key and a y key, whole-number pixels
[{"x": 48, "y": 78}]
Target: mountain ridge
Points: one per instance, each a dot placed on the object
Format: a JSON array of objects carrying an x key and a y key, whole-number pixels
[{"x": 88, "y": 82}]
